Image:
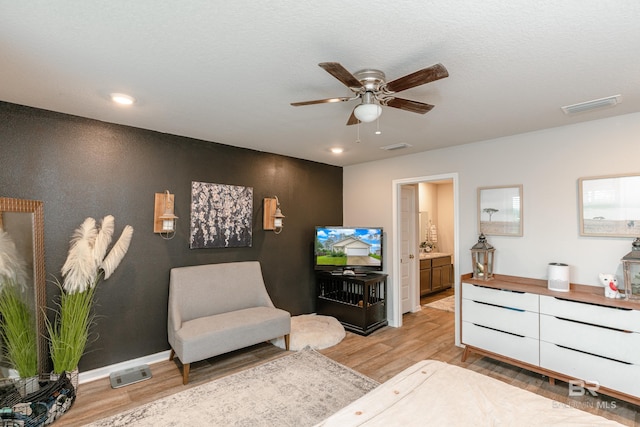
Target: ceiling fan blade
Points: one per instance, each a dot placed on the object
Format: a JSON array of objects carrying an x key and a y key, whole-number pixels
[
  {"x": 427, "y": 75},
  {"x": 408, "y": 105},
  {"x": 321, "y": 101},
  {"x": 340, "y": 73},
  {"x": 353, "y": 120}
]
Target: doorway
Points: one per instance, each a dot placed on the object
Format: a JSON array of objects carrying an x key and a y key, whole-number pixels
[
  {"x": 414, "y": 219},
  {"x": 435, "y": 237}
]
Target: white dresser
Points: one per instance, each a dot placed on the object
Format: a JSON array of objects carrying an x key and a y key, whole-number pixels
[
  {"x": 576, "y": 335},
  {"x": 592, "y": 342},
  {"x": 501, "y": 321}
]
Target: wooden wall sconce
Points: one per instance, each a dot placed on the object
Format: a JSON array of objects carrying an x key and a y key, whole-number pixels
[
  {"x": 272, "y": 218},
  {"x": 164, "y": 220}
]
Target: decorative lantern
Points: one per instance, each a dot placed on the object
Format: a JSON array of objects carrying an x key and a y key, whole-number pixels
[
  {"x": 482, "y": 259},
  {"x": 631, "y": 270}
]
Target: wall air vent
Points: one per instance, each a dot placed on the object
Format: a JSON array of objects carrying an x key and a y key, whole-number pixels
[
  {"x": 398, "y": 146},
  {"x": 581, "y": 107}
]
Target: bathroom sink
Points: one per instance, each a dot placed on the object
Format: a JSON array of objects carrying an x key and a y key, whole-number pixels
[{"x": 430, "y": 255}]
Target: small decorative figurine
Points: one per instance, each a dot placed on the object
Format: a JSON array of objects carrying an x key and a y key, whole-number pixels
[{"x": 610, "y": 284}]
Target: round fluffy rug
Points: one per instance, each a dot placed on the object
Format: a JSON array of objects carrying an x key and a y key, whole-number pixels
[{"x": 313, "y": 330}]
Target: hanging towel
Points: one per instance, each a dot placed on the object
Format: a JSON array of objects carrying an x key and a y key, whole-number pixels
[{"x": 433, "y": 233}]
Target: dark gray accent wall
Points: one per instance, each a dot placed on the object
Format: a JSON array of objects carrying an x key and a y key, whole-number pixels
[{"x": 86, "y": 168}]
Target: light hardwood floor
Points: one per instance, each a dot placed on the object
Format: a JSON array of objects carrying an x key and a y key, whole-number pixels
[{"x": 428, "y": 334}]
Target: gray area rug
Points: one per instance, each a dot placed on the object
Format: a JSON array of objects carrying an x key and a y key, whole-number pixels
[
  {"x": 445, "y": 304},
  {"x": 299, "y": 389}
]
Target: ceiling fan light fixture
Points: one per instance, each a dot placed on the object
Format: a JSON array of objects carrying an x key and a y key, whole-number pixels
[
  {"x": 367, "y": 113},
  {"x": 372, "y": 87}
]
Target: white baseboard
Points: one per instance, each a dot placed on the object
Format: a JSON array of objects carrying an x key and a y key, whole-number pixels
[{"x": 104, "y": 372}]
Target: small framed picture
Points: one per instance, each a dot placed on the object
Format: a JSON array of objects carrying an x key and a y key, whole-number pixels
[
  {"x": 500, "y": 210},
  {"x": 610, "y": 206}
]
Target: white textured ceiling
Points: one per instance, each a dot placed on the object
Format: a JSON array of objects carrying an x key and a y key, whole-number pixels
[{"x": 226, "y": 71}]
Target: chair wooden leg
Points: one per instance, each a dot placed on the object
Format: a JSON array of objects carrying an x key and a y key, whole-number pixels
[
  {"x": 171, "y": 356},
  {"x": 185, "y": 373},
  {"x": 286, "y": 342}
]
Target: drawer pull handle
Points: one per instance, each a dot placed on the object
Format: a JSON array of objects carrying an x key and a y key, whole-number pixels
[
  {"x": 498, "y": 330},
  {"x": 499, "y": 306},
  {"x": 593, "y": 303},
  {"x": 593, "y": 354},
  {"x": 500, "y": 289},
  {"x": 593, "y": 324}
]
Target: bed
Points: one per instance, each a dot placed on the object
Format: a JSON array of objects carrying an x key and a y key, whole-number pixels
[{"x": 435, "y": 393}]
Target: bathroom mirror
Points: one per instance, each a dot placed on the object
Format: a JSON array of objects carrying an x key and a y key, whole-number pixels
[
  {"x": 23, "y": 221},
  {"x": 424, "y": 226}
]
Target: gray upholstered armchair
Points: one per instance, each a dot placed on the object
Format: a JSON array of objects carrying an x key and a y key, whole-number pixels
[{"x": 218, "y": 308}]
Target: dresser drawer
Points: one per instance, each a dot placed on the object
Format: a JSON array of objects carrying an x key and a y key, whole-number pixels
[
  {"x": 589, "y": 368},
  {"x": 514, "y": 346},
  {"x": 511, "y": 299},
  {"x": 425, "y": 263},
  {"x": 437, "y": 262},
  {"x": 518, "y": 322},
  {"x": 613, "y": 317},
  {"x": 612, "y": 343}
]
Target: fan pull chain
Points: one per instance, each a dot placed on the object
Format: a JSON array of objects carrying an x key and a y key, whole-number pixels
[
  {"x": 378, "y": 132},
  {"x": 358, "y": 137}
]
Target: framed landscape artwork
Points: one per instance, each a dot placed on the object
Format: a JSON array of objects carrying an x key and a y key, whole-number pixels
[
  {"x": 610, "y": 205},
  {"x": 500, "y": 210}
]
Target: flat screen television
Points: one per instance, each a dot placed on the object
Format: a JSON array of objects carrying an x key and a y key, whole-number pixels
[{"x": 339, "y": 248}]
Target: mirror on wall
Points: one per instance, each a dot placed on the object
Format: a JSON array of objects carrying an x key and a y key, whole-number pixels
[
  {"x": 424, "y": 226},
  {"x": 23, "y": 221}
]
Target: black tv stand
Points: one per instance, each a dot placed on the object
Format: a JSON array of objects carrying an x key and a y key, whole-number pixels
[
  {"x": 351, "y": 273},
  {"x": 357, "y": 301}
]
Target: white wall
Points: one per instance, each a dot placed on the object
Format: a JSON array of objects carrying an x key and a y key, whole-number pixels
[{"x": 547, "y": 163}]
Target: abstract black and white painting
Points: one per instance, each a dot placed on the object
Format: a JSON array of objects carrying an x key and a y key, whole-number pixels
[{"x": 221, "y": 216}]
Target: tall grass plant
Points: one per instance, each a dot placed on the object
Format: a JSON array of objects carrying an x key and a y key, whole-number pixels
[
  {"x": 18, "y": 331},
  {"x": 70, "y": 333},
  {"x": 87, "y": 264}
]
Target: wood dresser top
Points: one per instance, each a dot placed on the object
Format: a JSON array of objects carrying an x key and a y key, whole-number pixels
[{"x": 582, "y": 293}]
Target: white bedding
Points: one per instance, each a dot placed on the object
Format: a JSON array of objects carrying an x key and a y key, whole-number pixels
[{"x": 433, "y": 393}]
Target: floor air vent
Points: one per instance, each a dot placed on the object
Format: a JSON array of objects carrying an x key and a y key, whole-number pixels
[{"x": 130, "y": 376}]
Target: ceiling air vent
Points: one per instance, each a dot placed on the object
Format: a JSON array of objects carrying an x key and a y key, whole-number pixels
[
  {"x": 581, "y": 107},
  {"x": 398, "y": 146}
]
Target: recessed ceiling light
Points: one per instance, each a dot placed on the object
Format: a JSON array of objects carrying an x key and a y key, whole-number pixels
[
  {"x": 337, "y": 150},
  {"x": 122, "y": 98},
  {"x": 609, "y": 101}
]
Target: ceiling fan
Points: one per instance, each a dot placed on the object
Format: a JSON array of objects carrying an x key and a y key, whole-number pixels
[{"x": 374, "y": 91}]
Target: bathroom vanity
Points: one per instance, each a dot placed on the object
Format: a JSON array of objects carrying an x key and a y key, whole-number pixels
[{"x": 436, "y": 272}]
